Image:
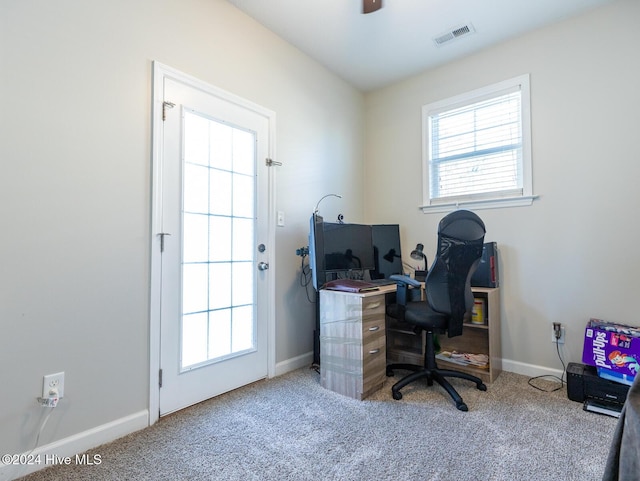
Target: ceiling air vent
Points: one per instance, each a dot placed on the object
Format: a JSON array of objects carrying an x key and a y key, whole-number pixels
[{"x": 454, "y": 33}]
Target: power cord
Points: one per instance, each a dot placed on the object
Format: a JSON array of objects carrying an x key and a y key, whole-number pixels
[
  {"x": 50, "y": 402},
  {"x": 305, "y": 274},
  {"x": 561, "y": 379},
  {"x": 44, "y": 423}
]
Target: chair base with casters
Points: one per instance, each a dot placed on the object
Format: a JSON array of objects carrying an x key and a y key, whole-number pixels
[
  {"x": 448, "y": 299},
  {"x": 431, "y": 372}
]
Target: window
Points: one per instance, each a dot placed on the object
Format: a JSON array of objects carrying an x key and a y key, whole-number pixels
[{"x": 477, "y": 149}]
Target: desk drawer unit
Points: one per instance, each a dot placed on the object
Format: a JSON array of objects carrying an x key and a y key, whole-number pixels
[{"x": 352, "y": 343}]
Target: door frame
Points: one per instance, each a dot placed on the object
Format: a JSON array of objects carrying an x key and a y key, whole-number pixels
[{"x": 160, "y": 72}]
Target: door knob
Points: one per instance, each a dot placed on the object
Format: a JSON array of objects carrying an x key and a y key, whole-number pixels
[{"x": 263, "y": 266}]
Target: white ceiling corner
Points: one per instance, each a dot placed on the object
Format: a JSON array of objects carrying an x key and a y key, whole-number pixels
[{"x": 380, "y": 48}]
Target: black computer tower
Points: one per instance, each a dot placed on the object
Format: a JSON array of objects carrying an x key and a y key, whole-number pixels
[{"x": 486, "y": 274}]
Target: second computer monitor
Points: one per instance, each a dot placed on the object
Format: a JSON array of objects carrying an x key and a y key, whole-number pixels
[{"x": 386, "y": 247}]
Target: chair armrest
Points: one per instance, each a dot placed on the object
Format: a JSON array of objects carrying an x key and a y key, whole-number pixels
[
  {"x": 404, "y": 284},
  {"x": 406, "y": 280}
]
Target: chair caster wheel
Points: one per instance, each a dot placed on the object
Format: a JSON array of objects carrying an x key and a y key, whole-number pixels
[
  {"x": 397, "y": 395},
  {"x": 462, "y": 407},
  {"x": 482, "y": 387}
]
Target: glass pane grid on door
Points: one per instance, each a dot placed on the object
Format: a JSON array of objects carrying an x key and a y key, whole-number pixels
[{"x": 218, "y": 242}]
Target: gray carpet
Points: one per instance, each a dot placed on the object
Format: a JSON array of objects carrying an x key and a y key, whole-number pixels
[{"x": 290, "y": 428}]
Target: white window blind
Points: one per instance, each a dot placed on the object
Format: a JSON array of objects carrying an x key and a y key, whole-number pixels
[{"x": 476, "y": 146}]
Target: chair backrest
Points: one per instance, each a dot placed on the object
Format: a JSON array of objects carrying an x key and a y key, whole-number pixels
[{"x": 448, "y": 283}]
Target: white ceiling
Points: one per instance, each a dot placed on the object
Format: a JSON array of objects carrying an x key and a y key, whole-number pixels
[{"x": 377, "y": 49}]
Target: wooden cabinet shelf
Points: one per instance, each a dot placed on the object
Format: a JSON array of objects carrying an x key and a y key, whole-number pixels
[{"x": 406, "y": 346}]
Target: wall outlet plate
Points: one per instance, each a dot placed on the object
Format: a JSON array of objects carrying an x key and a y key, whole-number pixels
[
  {"x": 553, "y": 335},
  {"x": 53, "y": 381}
]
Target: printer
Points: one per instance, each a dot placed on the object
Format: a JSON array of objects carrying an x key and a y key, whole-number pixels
[{"x": 596, "y": 393}]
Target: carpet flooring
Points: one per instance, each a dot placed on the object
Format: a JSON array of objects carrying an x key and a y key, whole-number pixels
[{"x": 290, "y": 428}]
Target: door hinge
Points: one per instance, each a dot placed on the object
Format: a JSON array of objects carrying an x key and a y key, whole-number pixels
[
  {"x": 162, "y": 235},
  {"x": 270, "y": 162},
  {"x": 166, "y": 105},
  {"x": 160, "y": 378}
]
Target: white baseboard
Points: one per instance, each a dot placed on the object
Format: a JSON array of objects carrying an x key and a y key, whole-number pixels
[
  {"x": 294, "y": 363},
  {"x": 517, "y": 367},
  {"x": 530, "y": 370},
  {"x": 54, "y": 452}
]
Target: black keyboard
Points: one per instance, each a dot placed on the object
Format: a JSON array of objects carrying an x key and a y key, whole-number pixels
[{"x": 382, "y": 282}]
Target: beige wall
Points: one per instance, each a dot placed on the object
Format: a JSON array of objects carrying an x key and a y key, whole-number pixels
[
  {"x": 75, "y": 137},
  {"x": 573, "y": 254}
]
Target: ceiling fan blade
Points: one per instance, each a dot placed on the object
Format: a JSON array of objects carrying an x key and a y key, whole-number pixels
[{"x": 369, "y": 6}]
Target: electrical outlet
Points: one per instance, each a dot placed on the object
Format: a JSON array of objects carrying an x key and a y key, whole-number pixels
[
  {"x": 53, "y": 382},
  {"x": 559, "y": 340}
]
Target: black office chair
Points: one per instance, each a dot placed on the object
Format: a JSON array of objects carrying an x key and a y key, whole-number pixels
[{"x": 449, "y": 299}]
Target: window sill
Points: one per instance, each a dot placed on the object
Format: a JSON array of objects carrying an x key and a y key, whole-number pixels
[{"x": 480, "y": 204}]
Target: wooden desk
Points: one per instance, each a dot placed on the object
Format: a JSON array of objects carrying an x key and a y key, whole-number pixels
[{"x": 357, "y": 340}]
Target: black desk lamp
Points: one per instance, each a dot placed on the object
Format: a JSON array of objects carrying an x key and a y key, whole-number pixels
[{"x": 418, "y": 255}]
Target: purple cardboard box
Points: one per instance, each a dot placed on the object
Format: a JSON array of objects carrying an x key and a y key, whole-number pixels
[{"x": 612, "y": 346}]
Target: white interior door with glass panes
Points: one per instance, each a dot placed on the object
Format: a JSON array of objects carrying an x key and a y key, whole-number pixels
[{"x": 214, "y": 245}]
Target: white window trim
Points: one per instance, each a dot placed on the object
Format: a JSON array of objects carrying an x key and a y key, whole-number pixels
[{"x": 527, "y": 196}]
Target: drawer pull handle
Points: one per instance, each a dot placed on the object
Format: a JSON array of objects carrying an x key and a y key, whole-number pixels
[
  {"x": 374, "y": 351},
  {"x": 374, "y": 328},
  {"x": 373, "y": 305}
]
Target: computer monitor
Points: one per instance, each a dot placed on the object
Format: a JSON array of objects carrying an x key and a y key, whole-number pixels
[
  {"x": 386, "y": 247},
  {"x": 347, "y": 247}
]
